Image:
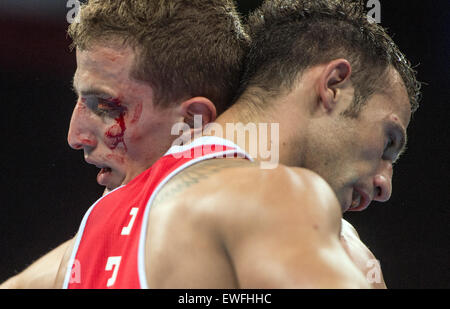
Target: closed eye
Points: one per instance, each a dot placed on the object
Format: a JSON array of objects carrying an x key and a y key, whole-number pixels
[
  {"x": 389, "y": 144},
  {"x": 388, "y": 152},
  {"x": 395, "y": 144}
]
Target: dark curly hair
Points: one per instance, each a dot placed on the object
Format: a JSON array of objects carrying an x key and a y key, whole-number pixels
[{"x": 290, "y": 36}]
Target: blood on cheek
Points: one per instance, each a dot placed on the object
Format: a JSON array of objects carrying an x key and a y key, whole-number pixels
[{"x": 115, "y": 134}]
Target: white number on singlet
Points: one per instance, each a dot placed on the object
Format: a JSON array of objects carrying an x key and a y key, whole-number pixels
[
  {"x": 133, "y": 213},
  {"x": 113, "y": 263}
]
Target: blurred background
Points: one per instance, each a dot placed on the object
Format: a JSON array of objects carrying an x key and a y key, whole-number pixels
[{"x": 46, "y": 187}]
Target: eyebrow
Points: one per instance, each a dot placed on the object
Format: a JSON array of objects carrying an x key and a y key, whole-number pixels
[{"x": 92, "y": 91}]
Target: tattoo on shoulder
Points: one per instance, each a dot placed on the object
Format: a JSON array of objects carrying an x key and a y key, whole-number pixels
[{"x": 196, "y": 173}]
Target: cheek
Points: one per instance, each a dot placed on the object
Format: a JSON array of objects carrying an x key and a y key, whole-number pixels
[
  {"x": 149, "y": 140},
  {"x": 114, "y": 132},
  {"x": 137, "y": 113},
  {"x": 116, "y": 158},
  {"x": 151, "y": 127},
  {"x": 114, "y": 136}
]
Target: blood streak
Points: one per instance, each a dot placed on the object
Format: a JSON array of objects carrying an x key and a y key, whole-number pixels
[{"x": 116, "y": 133}]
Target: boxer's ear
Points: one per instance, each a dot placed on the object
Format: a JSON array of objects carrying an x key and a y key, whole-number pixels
[
  {"x": 198, "y": 106},
  {"x": 332, "y": 81}
]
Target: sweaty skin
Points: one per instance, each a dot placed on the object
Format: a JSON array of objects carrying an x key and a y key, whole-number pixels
[
  {"x": 227, "y": 245},
  {"x": 49, "y": 271},
  {"x": 276, "y": 228},
  {"x": 237, "y": 231},
  {"x": 115, "y": 121}
]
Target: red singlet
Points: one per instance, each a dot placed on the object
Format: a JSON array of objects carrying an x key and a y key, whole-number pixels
[{"x": 110, "y": 245}]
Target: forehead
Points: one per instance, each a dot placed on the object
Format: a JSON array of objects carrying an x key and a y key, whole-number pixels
[
  {"x": 103, "y": 65},
  {"x": 391, "y": 100}
]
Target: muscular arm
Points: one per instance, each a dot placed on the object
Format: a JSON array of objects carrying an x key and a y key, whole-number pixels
[
  {"x": 41, "y": 274},
  {"x": 285, "y": 234}
]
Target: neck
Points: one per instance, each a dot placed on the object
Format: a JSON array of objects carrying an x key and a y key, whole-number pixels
[{"x": 260, "y": 134}]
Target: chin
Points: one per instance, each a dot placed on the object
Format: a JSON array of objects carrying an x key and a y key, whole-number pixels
[
  {"x": 116, "y": 181},
  {"x": 345, "y": 199}
]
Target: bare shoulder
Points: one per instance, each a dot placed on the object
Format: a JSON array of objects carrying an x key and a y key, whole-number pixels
[
  {"x": 203, "y": 192},
  {"x": 233, "y": 191},
  {"x": 349, "y": 230},
  {"x": 258, "y": 198},
  {"x": 274, "y": 194},
  {"x": 274, "y": 226}
]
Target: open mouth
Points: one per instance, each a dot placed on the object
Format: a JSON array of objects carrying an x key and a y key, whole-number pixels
[
  {"x": 356, "y": 200},
  {"x": 360, "y": 201},
  {"x": 105, "y": 170},
  {"x": 104, "y": 176}
]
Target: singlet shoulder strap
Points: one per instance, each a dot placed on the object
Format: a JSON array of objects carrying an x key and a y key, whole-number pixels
[
  {"x": 231, "y": 149},
  {"x": 208, "y": 140}
]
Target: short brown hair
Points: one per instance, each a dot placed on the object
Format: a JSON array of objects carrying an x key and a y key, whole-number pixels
[
  {"x": 184, "y": 48},
  {"x": 289, "y": 36}
]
